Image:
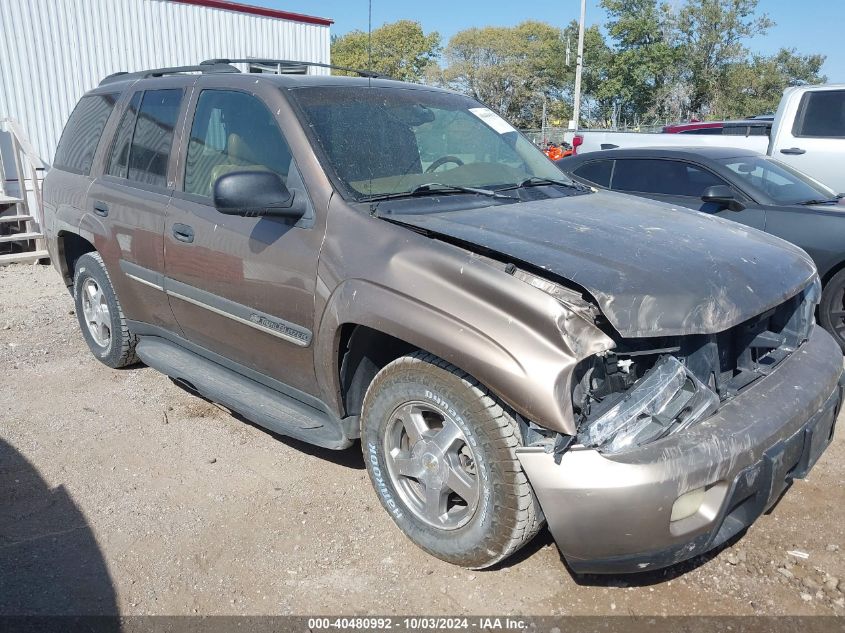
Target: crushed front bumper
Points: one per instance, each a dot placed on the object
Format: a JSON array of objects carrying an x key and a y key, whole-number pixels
[{"x": 611, "y": 513}]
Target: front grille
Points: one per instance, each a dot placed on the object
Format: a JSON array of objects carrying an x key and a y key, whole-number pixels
[{"x": 732, "y": 360}]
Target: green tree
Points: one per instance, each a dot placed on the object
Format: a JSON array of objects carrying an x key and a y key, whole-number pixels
[
  {"x": 755, "y": 86},
  {"x": 512, "y": 69},
  {"x": 712, "y": 36},
  {"x": 643, "y": 66},
  {"x": 400, "y": 50}
]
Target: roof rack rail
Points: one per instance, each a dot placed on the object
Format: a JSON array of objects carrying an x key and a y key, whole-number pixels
[
  {"x": 173, "y": 70},
  {"x": 289, "y": 62}
]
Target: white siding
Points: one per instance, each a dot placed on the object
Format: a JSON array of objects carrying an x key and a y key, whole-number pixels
[{"x": 52, "y": 51}]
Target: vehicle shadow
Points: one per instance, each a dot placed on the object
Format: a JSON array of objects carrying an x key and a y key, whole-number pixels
[
  {"x": 50, "y": 562},
  {"x": 543, "y": 539},
  {"x": 655, "y": 577},
  {"x": 350, "y": 457}
]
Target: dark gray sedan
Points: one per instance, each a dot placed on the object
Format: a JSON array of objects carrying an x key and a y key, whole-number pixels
[{"x": 740, "y": 185}]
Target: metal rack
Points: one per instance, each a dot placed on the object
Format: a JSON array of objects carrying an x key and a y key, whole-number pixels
[
  {"x": 293, "y": 66},
  {"x": 212, "y": 66},
  {"x": 173, "y": 70}
]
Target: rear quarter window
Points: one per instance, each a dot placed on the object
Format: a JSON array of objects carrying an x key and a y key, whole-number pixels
[
  {"x": 597, "y": 172},
  {"x": 76, "y": 148}
]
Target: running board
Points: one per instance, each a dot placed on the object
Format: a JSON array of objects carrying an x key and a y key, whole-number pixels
[{"x": 267, "y": 407}]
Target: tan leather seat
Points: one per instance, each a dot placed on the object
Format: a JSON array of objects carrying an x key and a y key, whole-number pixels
[{"x": 238, "y": 157}]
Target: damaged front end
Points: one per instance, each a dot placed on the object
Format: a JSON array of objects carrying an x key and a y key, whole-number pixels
[
  {"x": 646, "y": 389},
  {"x": 684, "y": 441}
]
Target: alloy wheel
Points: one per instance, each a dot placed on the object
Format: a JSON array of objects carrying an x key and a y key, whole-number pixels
[
  {"x": 95, "y": 309},
  {"x": 431, "y": 465}
]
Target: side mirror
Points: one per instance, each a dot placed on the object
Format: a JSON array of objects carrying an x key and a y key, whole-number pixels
[
  {"x": 723, "y": 195},
  {"x": 255, "y": 194}
]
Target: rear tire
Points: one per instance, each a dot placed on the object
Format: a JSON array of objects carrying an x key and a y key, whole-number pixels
[
  {"x": 99, "y": 313},
  {"x": 440, "y": 451},
  {"x": 832, "y": 308}
]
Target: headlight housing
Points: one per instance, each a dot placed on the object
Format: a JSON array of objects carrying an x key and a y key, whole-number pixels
[{"x": 668, "y": 398}]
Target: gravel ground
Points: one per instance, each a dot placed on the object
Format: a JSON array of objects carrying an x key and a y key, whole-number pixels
[{"x": 120, "y": 492}]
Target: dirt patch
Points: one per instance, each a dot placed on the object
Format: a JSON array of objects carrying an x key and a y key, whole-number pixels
[{"x": 167, "y": 504}]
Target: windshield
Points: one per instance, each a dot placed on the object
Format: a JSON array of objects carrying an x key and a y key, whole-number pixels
[
  {"x": 386, "y": 141},
  {"x": 781, "y": 183}
]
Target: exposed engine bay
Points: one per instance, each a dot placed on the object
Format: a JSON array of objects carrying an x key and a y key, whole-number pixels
[{"x": 646, "y": 389}]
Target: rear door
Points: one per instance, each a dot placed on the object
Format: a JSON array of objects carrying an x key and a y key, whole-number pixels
[
  {"x": 680, "y": 183},
  {"x": 810, "y": 135},
  {"x": 242, "y": 288},
  {"x": 131, "y": 194},
  {"x": 67, "y": 183}
]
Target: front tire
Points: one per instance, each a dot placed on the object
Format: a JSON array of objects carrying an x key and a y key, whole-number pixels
[
  {"x": 832, "y": 308},
  {"x": 100, "y": 315},
  {"x": 440, "y": 451}
]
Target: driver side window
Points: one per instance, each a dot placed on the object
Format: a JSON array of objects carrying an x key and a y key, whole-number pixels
[
  {"x": 662, "y": 177},
  {"x": 232, "y": 131}
]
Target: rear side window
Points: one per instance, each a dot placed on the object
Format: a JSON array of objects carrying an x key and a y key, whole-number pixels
[
  {"x": 747, "y": 130},
  {"x": 662, "y": 177},
  {"x": 152, "y": 140},
  {"x": 81, "y": 135},
  {"x": 232, "y": 131},
  {"x": 821, "y": 114},
  {"x": 597, "y": 172},
  {"x": 119, "y": 159}
]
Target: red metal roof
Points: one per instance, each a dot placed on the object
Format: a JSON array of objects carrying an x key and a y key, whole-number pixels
[{"x": 262, "y": 11}]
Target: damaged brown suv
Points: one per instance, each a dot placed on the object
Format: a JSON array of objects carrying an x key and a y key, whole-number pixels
[{"x": 339, "y": 258}]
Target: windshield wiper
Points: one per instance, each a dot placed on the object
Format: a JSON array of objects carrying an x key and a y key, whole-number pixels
[
  {"x": 435, "y": 188},
  {"x": 536, "y": 181},
  {"x": 835, "y": 200}
]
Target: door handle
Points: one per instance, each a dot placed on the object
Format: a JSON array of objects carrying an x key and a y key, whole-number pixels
[
  {"x": 793, "y": 151},
  {"x": 101, "y": 208},
  {"x": 183, "y": 233}
]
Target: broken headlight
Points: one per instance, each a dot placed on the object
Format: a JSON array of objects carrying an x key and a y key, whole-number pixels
[{"x": 667, "y": 399}]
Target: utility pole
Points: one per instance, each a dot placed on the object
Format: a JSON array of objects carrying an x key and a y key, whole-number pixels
[
  {"x": 543, "y": 122},
  {"x": 579, "y": 66}
]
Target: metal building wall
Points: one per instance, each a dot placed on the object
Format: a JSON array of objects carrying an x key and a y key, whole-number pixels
[{"x": 52, "y": 51}]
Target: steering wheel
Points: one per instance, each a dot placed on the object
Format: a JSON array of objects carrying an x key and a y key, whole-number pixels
[{"x": 442, "y": 161}]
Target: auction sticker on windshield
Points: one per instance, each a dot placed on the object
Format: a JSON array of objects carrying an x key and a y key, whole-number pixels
[{"x": 493, "y": 120}]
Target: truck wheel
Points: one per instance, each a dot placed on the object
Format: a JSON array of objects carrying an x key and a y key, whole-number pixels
[
  {"x": 832, "y": 308},
  {"x": 440, "y": 451},
  {"x": 100, "y": 316}
]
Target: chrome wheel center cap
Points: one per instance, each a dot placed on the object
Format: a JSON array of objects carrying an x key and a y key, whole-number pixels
[{"x": 430, "y": 462}]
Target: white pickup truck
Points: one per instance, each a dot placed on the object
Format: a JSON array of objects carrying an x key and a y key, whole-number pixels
[{"x": 808, "y": 133}]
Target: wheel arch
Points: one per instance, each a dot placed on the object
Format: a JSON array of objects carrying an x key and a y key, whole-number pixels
[
  {"x": 362, "y": 353},
  {"x": 71, "y": 246},
  {"x": 830, "y": 272}
]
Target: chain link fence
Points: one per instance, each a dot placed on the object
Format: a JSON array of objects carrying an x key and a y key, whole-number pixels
[{"x": 561, "y": 134}]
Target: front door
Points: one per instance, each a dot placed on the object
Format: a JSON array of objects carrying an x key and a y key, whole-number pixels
[{"x": 242, "y": 288}]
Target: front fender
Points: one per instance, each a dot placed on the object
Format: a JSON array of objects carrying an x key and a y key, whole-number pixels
[{"x": 515, "y": 339}]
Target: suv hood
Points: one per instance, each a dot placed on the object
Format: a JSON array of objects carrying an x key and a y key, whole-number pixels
[{"x": 654, "y": 269}]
